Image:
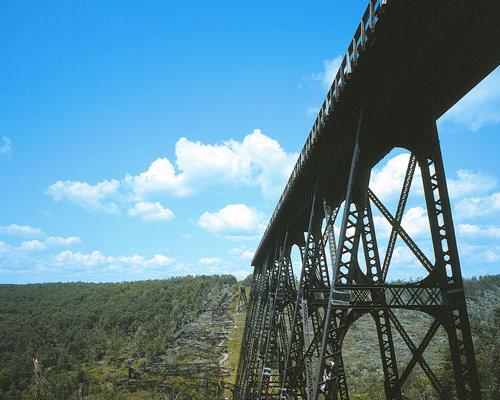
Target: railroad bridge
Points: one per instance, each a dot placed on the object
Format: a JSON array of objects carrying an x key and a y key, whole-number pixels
[{"x": 409, "y": 61}]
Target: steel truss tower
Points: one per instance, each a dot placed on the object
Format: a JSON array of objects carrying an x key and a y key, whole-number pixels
[
  {"x": 294, "y": 330},
  {"x": 383, "y": 97}
]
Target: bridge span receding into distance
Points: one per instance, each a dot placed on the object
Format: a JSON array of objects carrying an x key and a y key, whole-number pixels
[{"x": 409, "y": 61}]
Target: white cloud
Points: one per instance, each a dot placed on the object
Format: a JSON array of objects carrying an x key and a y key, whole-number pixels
[
  {"x": 24, "y": 230},
  {"x": 32, "y": 245},
  {"x": 480, "y": 253},
  {"x": 330, "y": 68},
  {"x": 74, "y": 259},
  {"x": 160, "y": 259},
  {"x": 404, "y": 265},
  {"x": 159, "y": 177},
  {"x": 209, "y": 261},
  {"x": 479, "y": 205},
  {"x": 95, "y": 259},
  {"x": 39, "y": 262},
  {"x": 4, "y": 247},
  {"x": 257, "y": 161},
  {"x": 415, "y": 221},
  {"x": 247, "y": 255},
  {"x": 479, "y": 107},
  {"x": 92, "y": 197},
  {"x": 150, "y": 212},
  {"x": 5, "y": 147},
  {"x": 382, "y": 227},
  {"x": 403, "y": 255},
  {"x": 470, "y": 182},
  {"x": 492, "y": 255},
  {"x": 241, "y": 253},
  {"x": 63, "y": 241},
  {"x": 264, "y": 163},
  {"x": 387, "y": 181},
  {"x": 200, "y": 162},
  {"x": 232, "y": 219},
  {"x": 475, "y": 230}
]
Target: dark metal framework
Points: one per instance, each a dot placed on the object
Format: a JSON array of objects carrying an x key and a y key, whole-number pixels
[
  {"x": 242, "y": 299},
  {"x": 298, "y": 315}
]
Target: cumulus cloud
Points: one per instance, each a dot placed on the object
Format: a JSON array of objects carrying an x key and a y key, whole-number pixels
[
  {"x": 209, "y": 261},
  {"x": 35, "y": 244},
  {"x": 159, "y": 177},
  {"x": 479, "y": 107},
  {"x": 241, "y": 253},
  {"x": 405, "y": 265},
  {"x": 416, "y": 222},
  {"x": 387, "y": 181},
  {"x": 92, "y": 197},
  {"x": 70, "y": 258},
  {"x": 403, "y": 255},
  {"x": 150, "y": 212},
  {"x": 481, "y": 253},
  {"x": 491, "y": 255},
  {"x": 160, "y": 259},
  {"x": 470, "y": 182},
  {"x": 41, "y": 261},
  {"x": 5, "y": 147},
  {"x": 63, "y": 241},
  {"x": 24, "y": 230},
  {"x": 475, "y": 230},
  {"x": 232, "y": 219},
  {"x": 95, "y": 259},
  {"x": 479, "y": 205},
  {"x": 382, "y": 227},
  {"x": 4, "y": 247},
  {"x": 32, "y": 245},
  {"x": 257, "y": 161}
]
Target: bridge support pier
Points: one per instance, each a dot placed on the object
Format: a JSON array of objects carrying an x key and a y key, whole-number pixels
[{"x": 294, "y": 335}]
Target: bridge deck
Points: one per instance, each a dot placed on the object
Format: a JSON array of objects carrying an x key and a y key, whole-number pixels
[{"x": 406, "y": 55}]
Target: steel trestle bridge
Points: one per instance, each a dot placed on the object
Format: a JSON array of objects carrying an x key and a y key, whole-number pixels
[{"x": 409, "y": 61}]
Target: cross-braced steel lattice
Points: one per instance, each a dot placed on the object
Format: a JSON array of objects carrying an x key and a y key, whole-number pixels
[{"x": 409, "y": 61}]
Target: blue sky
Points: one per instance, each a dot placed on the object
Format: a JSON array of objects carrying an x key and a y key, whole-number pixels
[{"x": 145, "y": 140}]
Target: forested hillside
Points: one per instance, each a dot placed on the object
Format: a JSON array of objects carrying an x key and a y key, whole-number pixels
[
  {"x": 86, "y": 334},
  {"x": 113, "y": 341}
]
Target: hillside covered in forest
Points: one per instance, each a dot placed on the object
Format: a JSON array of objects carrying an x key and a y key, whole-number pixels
[
  {"x": 118, "y": 340},
  {"x": 87, "y": 335}
]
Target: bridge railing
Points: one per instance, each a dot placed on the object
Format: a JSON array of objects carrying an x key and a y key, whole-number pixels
[{"x": 363, "y": 33}]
